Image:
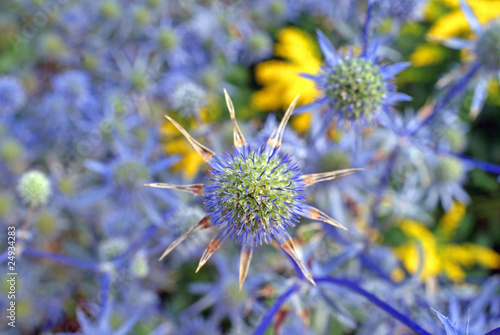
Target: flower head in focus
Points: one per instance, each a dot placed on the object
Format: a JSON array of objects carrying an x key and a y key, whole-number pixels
[
  {"x": 255, "y": 193},
  {"x": 355, "y": 88}
]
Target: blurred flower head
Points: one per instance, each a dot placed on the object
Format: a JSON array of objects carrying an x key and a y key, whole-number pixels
[{"x": 12, "y": 96}]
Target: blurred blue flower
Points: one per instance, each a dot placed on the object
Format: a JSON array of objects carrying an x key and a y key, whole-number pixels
[
  {"x": 123, "y": 178},
  {"x": 478, "y": 314},
  {"x": 448, "y": 175},
  {"x": 73, "y": 86},
  {"x": 486, "y": 65},
  {"x": 12, "y": 95},
  {"x": 407, "y": 11}
]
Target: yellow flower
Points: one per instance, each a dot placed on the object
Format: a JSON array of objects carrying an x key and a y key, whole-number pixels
[
  {"x": 427, "y": 54},
  {"x": 280, "y": 78},
  {"x": 455, "y": 24},
  {"x": 450, "y": 24},
  {"x": 440, "y": 256},
  {"x": 190, "y": 162},
  {"x": 175, "y": 144}
]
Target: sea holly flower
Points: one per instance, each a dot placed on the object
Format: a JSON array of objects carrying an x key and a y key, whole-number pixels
[
  {"x": 253, "y": 196},
  {"x": 485, "y": 48},
  {"x": 355, "y": 88}
]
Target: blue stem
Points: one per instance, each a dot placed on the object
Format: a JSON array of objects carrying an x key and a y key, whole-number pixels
[
  {"x": 456, "y": 89},
  {"x": 375, "y": 300},
  {"x": 105, "y": 286},
  {"x": 366, "y": 26},
  {"x": 495, "y": 331},
  {"x": 3, "y": 256},
  {"x": 147, "y": 234},
  {"x": 485, "y": 166},
  {"x": 79, "y": 263},
  {"x": 364, "y": 257},
  {"x": 268, "y": 318},
  {"x": 391, "y": 162}
]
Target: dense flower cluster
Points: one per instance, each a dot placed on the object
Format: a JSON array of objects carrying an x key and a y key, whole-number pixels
[{"x": 377, "y": 142}]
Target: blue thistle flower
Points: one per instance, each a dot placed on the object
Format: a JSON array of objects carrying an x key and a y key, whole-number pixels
[
  {"x": 449, "y": 174},
  {"x": 486, "y": 65},
  {"x": 274, "y": 13},
  {"x": 110, "y": 9},
  {"x": 254, "y": 195},
  {"x": 188, "y": 98},
  {"x": 355, "y": 88},
  {"x": 74, "y": 85},
  {"x": 173, "y": 44},
  {"x": 224, "y": 299},
  {"x": 403, "y": 11},
  {"x": 470, "y": 311},
  {"x": 259, "y": 45},
  {"x": 122, "y": 179},
  {"x": 12, "y": 96},
  {"x": 182, "y": 220}
]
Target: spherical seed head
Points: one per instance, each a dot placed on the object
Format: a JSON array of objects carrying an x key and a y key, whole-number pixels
[
  {"x": 138, "y": 80},
  {"x": 456, "y": 139},
  {"x": 6, "y": 204},
  {"x": 188, "y": 98},
  {"x": 255, "y": 194},
  {"x": 355, "y": 88},
  {"x": 110, "y": 9},
  {"x": 449, "y": 169},
  {"x": 112, "y": 247},
  {"x": 488, "y": 47},
  {"x": 34, "y": 188},
  {"x": 278, "y": 7},
  {"x": 11, "y": 150},
  {"x": 167, "y": 39},
  {"x": 259, "y": 42},
  {"x": 142, "y": 16},
  {"x": 139, "y": 266},
  {"x": 53, "y": 44},
  {"x": 46, "y": 223}
]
